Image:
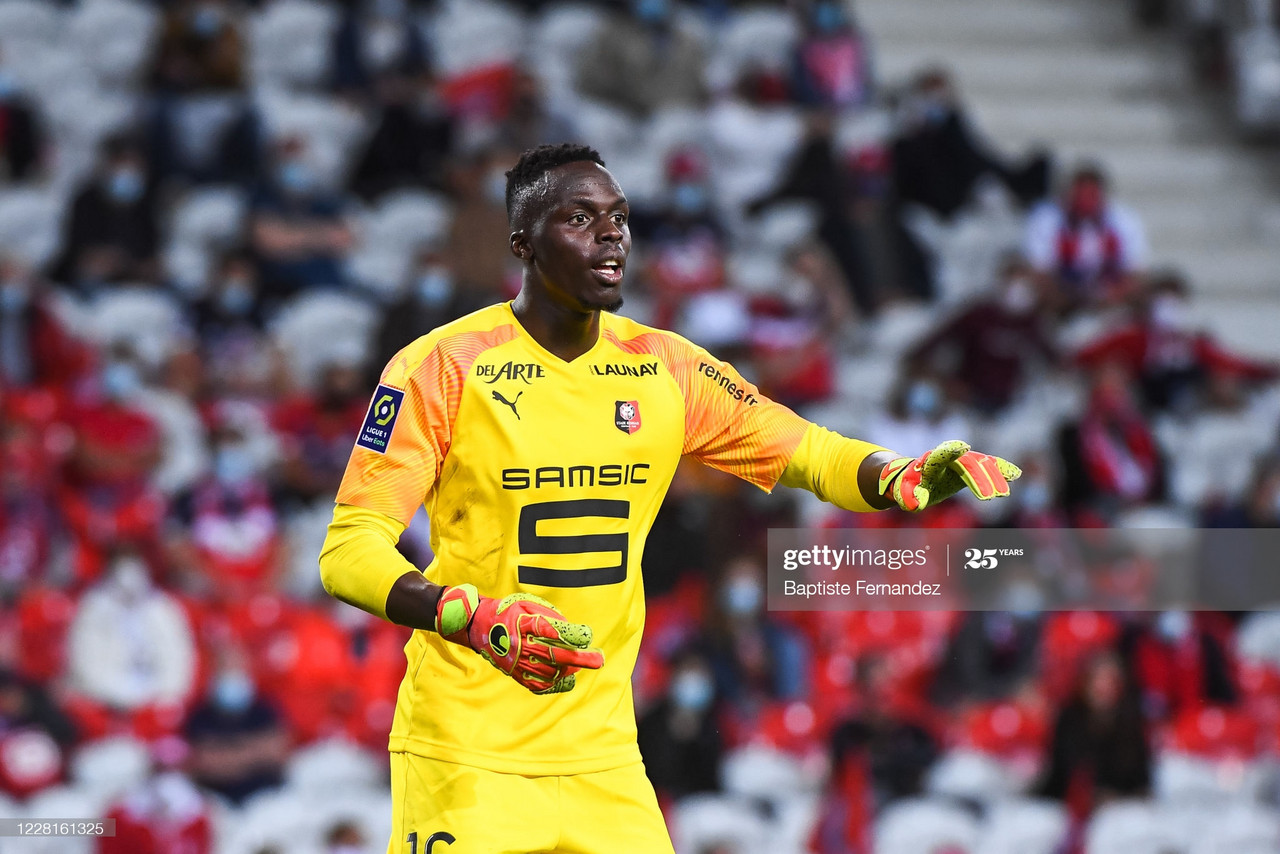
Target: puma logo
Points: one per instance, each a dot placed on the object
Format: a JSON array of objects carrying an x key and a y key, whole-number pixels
[{"x": 512, "y": 403}]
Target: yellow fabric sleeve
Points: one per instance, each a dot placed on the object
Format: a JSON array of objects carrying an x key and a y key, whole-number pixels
[
  {"x": 359, "y": 563},
  {"x": 826, "y": 464}
]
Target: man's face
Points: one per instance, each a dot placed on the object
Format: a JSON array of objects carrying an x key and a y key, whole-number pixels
[{"x": 579, "y": 241}]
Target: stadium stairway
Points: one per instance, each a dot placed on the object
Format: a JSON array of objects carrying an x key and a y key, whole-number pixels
[{"x": 1080, "y": 77}]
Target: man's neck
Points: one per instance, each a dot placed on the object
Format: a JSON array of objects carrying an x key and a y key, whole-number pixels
[{"x": 564, "y": 332}]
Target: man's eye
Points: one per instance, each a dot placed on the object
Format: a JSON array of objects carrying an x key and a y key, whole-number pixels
[
  {"x": 578, "y": 218},
  {"x": 620, "y": 219}
]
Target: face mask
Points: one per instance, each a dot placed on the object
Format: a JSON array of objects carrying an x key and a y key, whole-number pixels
[
  {"x": 689, "y": 199},
  {"x": 692, "y": 691},
  {"x": 207, "y": 19},
  {"x": 295, "y": 176},
  {"x": 1035, "y": 496},
  {"x": 742, "y": 596},
  {"x": 388, "y": 9},
  {"x": 14, "y": 296},
  {"x": 233, "y": 692},
  {"x": 652, "y": 11},
  {"x": 1171, "y": 313},
  {"x": 923, "y": 399},
  {"x": 1019, "y": 297},
  {"x": 125, "y": 185},
  {"x": 233, "y": 465},
  {"x": 120, "y": 380},
  {"x": 435, "y": 287},
  {"x": 1173, "y": 625},
  {"x": 827, "y": 17},
  {"x": 495, "y": 187},
  {"x": 130, "y": 578},
  {"x": 1024, "y": 600},
  {"x": 236, "y": 298}
]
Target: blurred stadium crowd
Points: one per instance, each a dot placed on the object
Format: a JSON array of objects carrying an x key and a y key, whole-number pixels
[{"x": 219, "y": 219}]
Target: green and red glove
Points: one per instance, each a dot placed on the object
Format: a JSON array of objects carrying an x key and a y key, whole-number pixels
[
  {"x": 521, "y": 635},
  {"x": 937, "y": 475}
]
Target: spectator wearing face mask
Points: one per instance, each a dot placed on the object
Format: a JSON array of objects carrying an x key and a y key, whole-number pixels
[
  {"x": 983, "y": 352},
  {"x": 376, "y": 39},
  {"x": 918, "y": 412},
  {"x": 412, "y": 140},
  {"x": 684, "y": 238},
  {"x": 678, "y": 737},
  {"x": 938, "y": 159},
  {"x": 228, "y": 529},
  {"x": 299, "y": 230},
  {"x": 112, "y": 232},
  {"x": 107, "y": 497},
  {"x": 22, "y": 141},
  {"x": 1179, "y": 368},
  {"x": 832, "y": 64},
  {"x": 432, "y": 297},
  {"x": 643, "y": 60},
  {"x": 200, "y": 48},
  {"x": 754, "y": 658},
  {"x": 1088, "y": 246},
  {"x": 239, "y": 745},
  {"x": 130, "y": 648}
]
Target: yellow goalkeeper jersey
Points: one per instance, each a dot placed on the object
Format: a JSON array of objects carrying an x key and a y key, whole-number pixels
[{"x": 545, "y": 476}]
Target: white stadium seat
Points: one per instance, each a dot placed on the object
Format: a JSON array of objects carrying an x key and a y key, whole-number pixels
[
  {"x": 970, "y": 776},
  {"x": 30, "y": 224},
  {"x": 471, "y": 34},
  {"x": 109, "y": 767},
  {"x": 1131, "y": 827},
  {"x": 1024, "y": 826},
  {"x": 334, "y": 766},
  {"x": 116, "y": 37},
  {"x": 289, "y": 42},
  {"x": 916, "y": 825},
  {"x": 148, "y": 320}
]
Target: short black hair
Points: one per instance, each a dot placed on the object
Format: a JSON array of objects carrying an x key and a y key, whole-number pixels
[{"x": 525, "y": 184}]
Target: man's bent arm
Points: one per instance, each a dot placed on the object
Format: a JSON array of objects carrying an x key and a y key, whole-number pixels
[
  {"x": 360, "y": 565},
  {"x": 823, "y": 463}
]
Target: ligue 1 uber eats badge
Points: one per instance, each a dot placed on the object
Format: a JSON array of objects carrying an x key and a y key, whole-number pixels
[{"x": 626, "y": 415}]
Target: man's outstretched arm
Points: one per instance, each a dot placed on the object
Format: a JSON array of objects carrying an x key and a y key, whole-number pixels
[
  {"x": 823, "y": 461},
  {"x": 521, "y": 635}
]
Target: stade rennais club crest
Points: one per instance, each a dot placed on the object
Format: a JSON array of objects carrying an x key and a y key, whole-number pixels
[{"x": 626, "y": 415}]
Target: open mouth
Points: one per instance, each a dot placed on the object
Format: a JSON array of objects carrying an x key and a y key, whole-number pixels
[{"x": 609, "y": 271}]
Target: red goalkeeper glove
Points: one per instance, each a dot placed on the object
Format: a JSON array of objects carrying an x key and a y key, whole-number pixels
[
  {"x": 944, "y": 471},
  {"x": 521, "y": 635}
]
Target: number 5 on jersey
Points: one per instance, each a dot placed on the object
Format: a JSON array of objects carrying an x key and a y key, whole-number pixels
[{"x": 533, "y": 543}]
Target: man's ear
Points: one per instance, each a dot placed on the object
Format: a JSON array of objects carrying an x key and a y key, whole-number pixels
[{"x": 520, "y": 246}]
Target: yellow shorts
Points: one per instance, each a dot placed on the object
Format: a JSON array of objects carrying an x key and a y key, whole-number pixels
[{"x": 442, "y": 808}]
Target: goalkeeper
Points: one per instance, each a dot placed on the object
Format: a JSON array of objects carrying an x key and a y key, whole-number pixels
[{"x": 542, "y": 434}]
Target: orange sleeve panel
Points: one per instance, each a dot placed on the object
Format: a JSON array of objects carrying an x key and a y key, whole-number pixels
[
  {"x": 394, "y": 465},
  {"x": 729, "y": 425}
]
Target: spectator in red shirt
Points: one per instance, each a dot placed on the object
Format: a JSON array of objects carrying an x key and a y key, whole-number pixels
[
  {"x": 166, "y": 815},
  {"x": 1087, "y": 245},
  {"x": 989, "y": 345},
  {"x": 1111, "y": 457},
  {"x": 832, "y": 62},
  {"x": 1178, "y": 367},
  {"x": 317, "y": 432},
  {"x": 107, "y": 497},
  {"x": 28, "y": 515},
  {"x": 35, "y": 350}
]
